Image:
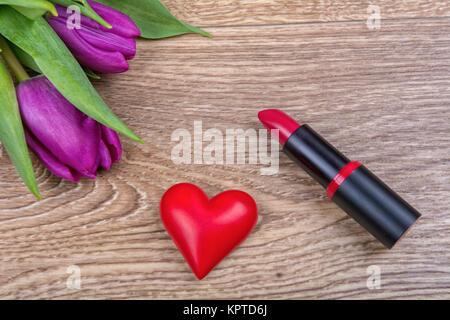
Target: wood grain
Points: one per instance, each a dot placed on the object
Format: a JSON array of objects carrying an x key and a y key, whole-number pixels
[
  {"x": 262, "y": 12},
  {"x": 381, "y": 96}
]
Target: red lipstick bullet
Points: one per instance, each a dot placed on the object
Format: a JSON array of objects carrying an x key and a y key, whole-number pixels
[{"x": 349, "y": 184}]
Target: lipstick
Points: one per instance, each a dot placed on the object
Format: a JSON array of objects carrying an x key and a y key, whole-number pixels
[{"x": 349, "y": 184}]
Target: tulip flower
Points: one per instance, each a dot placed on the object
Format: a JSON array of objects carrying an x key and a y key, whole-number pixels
[
  {"x": 95, "y": 46},
  {"x": 68, "y": 142}
]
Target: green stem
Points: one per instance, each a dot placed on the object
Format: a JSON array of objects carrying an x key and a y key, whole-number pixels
[{"x": 11, "y": 60}]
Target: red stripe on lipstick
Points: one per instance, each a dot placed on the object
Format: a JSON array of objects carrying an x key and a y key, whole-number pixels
[
  {"x": 339, "y": 179},
  {"x": 274, "y": 119}
]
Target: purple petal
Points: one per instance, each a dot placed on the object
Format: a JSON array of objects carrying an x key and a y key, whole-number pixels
[
  {"x": 104, "y": 156},
  {"x": 112, "y": 142},
  {"x": 90, "y": 56},
  {"x": 109, "y": 41},
  {"x": 121, "y": 23},
  {"x": 69, "y": 135},
  {"x": 52, "y": 164},
  {"x": 102, "y": 38}
]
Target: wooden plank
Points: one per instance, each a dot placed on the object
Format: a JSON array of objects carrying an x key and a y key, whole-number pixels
[
  {"x": 261, "y": 12},
  {"x": 382, "y": 97}
]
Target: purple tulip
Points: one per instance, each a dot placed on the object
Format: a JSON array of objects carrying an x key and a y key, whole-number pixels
[
  {"x": 94, "y": 46},
  {"x": 68, "y": 142}
]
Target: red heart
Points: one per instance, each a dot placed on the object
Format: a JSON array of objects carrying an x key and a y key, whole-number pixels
[{"x": 207, "y": 230}]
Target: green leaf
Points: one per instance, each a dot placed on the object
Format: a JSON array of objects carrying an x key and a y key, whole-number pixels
[
  {"x": 32, "y": 9},
  {"x": 32, "y": 14},
  {"x": 27, "y": 61},
  {"x": 11, "y": 131},
  {"x": 24, "y": 58},
  {"x": 153, "y": 19},
  {"x": 85, "y": 9},
  {"x": 91, "y": 74},
  {"x": 53, "y": 58}
]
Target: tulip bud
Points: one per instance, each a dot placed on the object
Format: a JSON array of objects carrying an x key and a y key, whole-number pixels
[
  {"x": 68, "y": 142},
  {"x": 95, "y": 46}
]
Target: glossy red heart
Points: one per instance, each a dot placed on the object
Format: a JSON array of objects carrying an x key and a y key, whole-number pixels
[{"x": 207, "y": 230}]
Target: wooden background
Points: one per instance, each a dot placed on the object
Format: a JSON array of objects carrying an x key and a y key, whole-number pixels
[{"x": 381, "y": 96}]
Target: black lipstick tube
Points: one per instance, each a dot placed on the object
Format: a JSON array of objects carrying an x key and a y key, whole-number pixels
[{"x": 352, "y": 187}]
